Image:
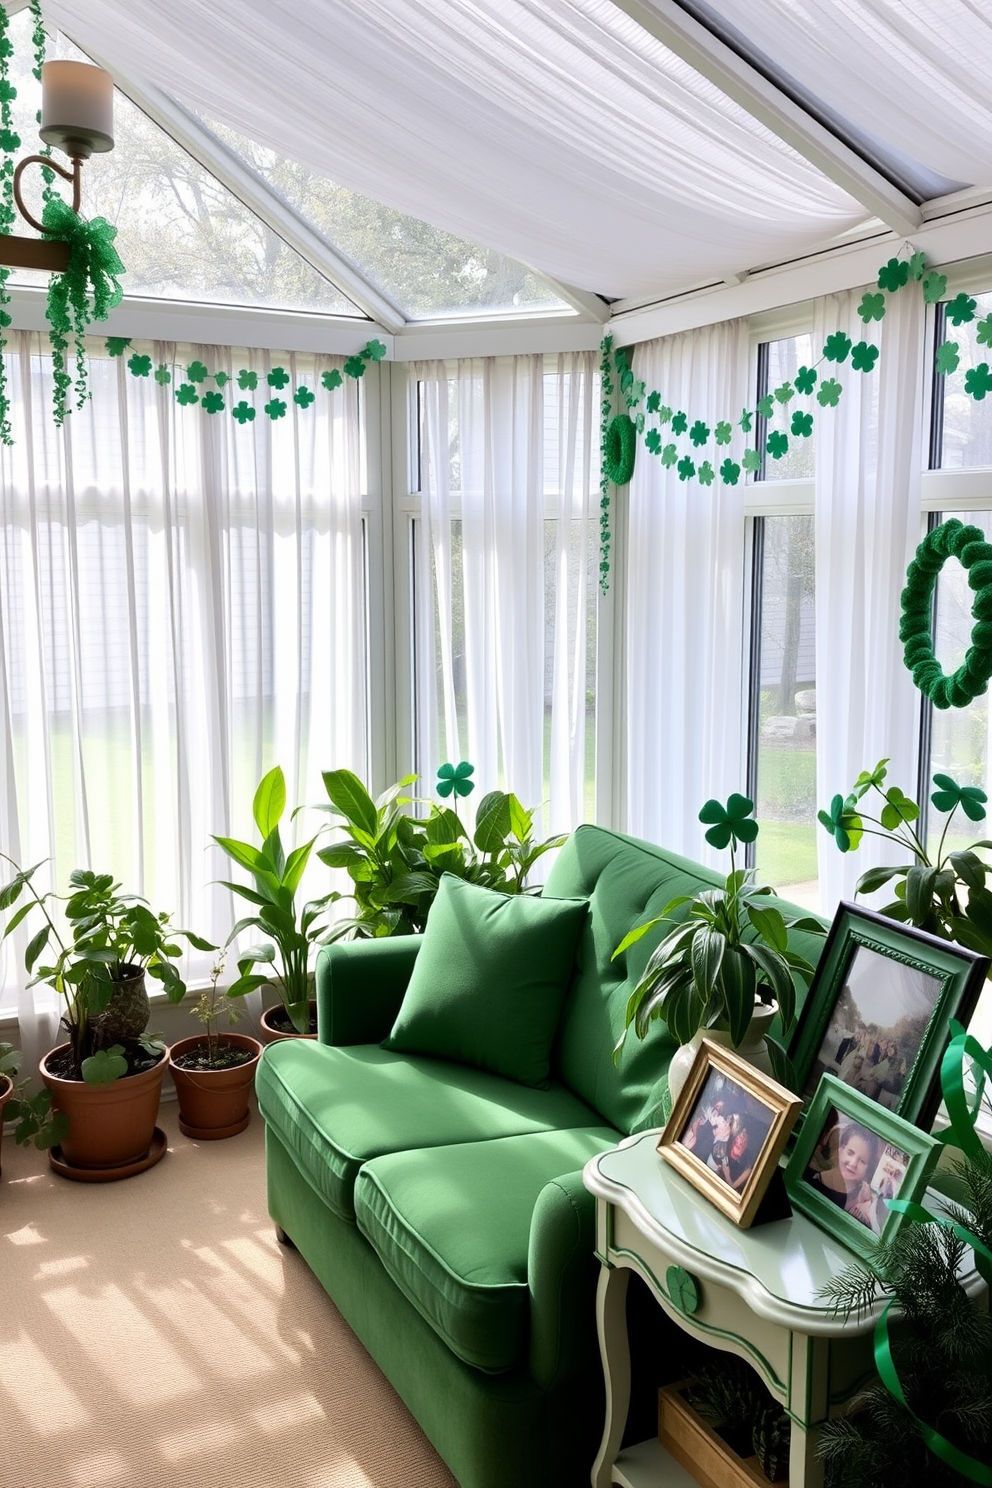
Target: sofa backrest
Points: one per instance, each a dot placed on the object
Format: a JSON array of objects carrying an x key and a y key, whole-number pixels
[{"x": 625, "y": 881}]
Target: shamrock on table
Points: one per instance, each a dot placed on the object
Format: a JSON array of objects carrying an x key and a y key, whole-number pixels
[
  {"x": 731, "y": 823},
  {"x": 455, "y": 779}
]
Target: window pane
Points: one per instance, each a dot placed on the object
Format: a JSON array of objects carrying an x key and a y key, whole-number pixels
[
  {"x": 966, "y": 441},
  {"x": 784, "y": 360},
  {"x": 786, "y": 783}
]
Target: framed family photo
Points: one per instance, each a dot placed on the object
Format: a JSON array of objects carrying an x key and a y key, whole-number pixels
[
  {"x": 851, "y": 1158},
  {"x": 878, "y": 1012},
  {"x": 727, "y": 1131}
]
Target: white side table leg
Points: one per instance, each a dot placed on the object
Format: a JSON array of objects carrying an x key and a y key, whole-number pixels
[{"x": 611, "y": 1322}]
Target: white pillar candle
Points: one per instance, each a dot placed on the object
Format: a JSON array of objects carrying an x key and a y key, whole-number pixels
[{"x": 77, "y": 106}]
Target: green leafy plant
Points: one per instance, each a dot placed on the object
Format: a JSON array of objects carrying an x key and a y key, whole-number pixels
[
  {"x": 724, "y": 953},
  {"x": 276, "y": 877},
  {"x": 110, "y": 937},
  {"x": 32, "y": 1115},
  {"x": 944, "y": 893},
  {"x": 210, "y": 1007},
  {"x": 395, "y": 859},
  {"x": 734, "y": 1401}
]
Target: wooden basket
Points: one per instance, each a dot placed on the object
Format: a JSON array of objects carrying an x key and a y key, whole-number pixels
[{"x": 703, "y": 1454}]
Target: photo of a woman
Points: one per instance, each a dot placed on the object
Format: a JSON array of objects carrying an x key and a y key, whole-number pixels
[{"x": 854, "y": 1169}]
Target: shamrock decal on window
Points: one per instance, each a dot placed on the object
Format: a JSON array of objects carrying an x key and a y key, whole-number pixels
[
  {"x": 978, "y": 381},
  {"x": 731, "y": 823},
  {"x": 454, "y": 779}
]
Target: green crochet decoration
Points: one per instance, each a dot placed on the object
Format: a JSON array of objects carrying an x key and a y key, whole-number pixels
[
  {"x": 969, "y": 546},
  {"x": 91, "y": 275},
  {"x": 619, "y": 449}
]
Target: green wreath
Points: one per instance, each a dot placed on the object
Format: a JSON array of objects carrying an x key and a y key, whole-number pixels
[
  {"x": 969, "y": 546},
  {"x": 619, "y": 449}
]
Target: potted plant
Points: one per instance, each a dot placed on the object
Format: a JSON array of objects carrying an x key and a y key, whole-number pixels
[
  {"x": 214, "y": 1073},
  {"x": 292, "y": 933},
  {"x": 106, "y": 1080},
  {"x": 395, "y": 860},
  {"x": 943, "y": 892},
  {"x": 724, "y": 963},
  {"x": 10, "y": 1063}
]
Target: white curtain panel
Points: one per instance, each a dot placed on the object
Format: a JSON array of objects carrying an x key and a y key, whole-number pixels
[
  {"x": 867, "y": 526},
  {"x": 506, "y": 568},
  {"x": 181, "y": 602},
  {"x": 685, "y": 604}
]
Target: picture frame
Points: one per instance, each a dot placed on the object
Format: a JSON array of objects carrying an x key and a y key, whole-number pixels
[
  {"x": 728, "y": 1129},
  {"x": 878, "y": 1013},
  {"x": 850, "y": 1157}
]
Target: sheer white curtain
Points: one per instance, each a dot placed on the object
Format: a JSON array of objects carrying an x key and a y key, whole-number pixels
[
  {"x": 867, "y": 525},
  {"x": 685, "y": 604},
  {"x": 181, "y": 607},
  {"x": 506, "y": 570}
]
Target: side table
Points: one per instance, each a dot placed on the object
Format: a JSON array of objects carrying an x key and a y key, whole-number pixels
[{"x": 752, "y": 1292}]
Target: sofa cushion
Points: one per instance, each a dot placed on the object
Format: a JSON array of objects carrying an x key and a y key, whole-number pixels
[
  {"x": 334, "y": 1108},
  {"x": 451, "y": 1226},
  {"x": 489, "y": 980}
]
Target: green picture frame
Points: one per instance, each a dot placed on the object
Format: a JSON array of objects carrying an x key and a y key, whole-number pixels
[
  {"x": 850, "y": 1158},
  {"x": 878, "y": 1012}
]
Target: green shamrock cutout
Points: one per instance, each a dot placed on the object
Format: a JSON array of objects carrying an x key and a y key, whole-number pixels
[
  {"x": 303, "y": 397},
  {"x": 10, "y": 141},
  {"x": 331, "y": 380},
  {"x": 634, "y": 394},
  {"x": 864, "y": 356},
  {"x": 7, "y": 92},
  {"x": 117, "y": 345},
  {"x": 243, "y": 412},
  {"x": 213, "y": 402},
  {"x": 654, "y": 402},
  {"x": 802, "y": 424},
  {"x": 355, "y": 367},
  {"x": 784, "y": 393},
  {"x": 197, "y": 372},
  {"x": 139, "y": 366},
  {"x": 375, "y": 351},
  {"x": 836, "y": 347},
  {"x": 278, "y": 377},
  {"x": 893, "y": 275},
  {"x": 706, "y": 474},
  {"x": 751, "y": 460},
  {"x": 828, "y": 393},
  {"x": 163, "y": 375},
  {"x": 983, "y": 331},
  {"x": 680, "y": 423},
  {"x": 276, "y": 408},
  {"x": 187, "y": 394},
  {"x": 898, "y": 808},
  {"x": 699, "y": 433},
  {"x": 872, "y": 307},
  {"x": 950, "y": 795},
  {"x": 639, "y": 423},
  {"x": 731, "y": 823},
  {"x": 777, "y": 445},
  {"x": 723, "y": 433},
  {"x": 730, "y": 472},
  {"x": 843, "y": 822},
  {"x": 669, "y": 455},
  {"x": 766, "y": 406},
  {"x": 664, "y": 414},
  {"x": 247, "y": 381},
  {"x": 686, "y": 468},
  {"x": 948, "y": 358},
  {"x": 806, "y": 379},
  {"x": 934, "y": 288},
  {"x": 222, "y": 379},
  {"x": 454, "y": 779},
  {"x": 961, "y": 309},
  {"x": 917, "y": 265},
  {"x": 978, "y": 381},
  {"x": 746, "y": 420},
  {"x": 652, "y": 441}
]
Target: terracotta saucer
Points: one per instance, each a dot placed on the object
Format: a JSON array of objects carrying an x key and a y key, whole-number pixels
[{"x": 155, "y": 1153}]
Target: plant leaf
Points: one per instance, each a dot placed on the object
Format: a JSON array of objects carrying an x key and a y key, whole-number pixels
[
  {"x": 350, "y": 798},
  {"x": 270, "y": 801}
]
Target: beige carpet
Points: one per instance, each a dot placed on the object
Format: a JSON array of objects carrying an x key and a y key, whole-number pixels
[{"x": 153, "y": 1334}]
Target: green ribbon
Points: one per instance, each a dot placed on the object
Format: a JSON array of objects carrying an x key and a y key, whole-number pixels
[{"x": 960, "y": 1133}]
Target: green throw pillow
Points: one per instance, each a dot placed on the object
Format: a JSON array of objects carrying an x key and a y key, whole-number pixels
[{"x": 489, "y": 980}]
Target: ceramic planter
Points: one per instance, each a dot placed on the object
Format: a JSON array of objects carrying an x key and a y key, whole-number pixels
[
  {"x": 269, "y": 1034},
  {"x": 214, "y": 1103},
  {"x": 112, "y": 1131},
  {"x": 753, "y": 1049},
  {"x": 126, "y": 1014}
]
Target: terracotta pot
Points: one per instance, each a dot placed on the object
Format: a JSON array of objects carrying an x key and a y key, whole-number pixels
[
  {"x": 269, "y": 1035},
  {"x": 110, "y": 1126},
  {"x": 214, "y": 1103},
  {"x": 6, "y": 1091}
]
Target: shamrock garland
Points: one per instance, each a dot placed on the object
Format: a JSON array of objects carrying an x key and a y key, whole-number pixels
[
  {"x": 189, "y": 391},
  {"x": 969, "y": 546},
  {"x": 708, "y": 458}
]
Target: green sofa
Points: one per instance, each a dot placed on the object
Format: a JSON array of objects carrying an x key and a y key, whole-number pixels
[{"x": 442, "y": 1207}]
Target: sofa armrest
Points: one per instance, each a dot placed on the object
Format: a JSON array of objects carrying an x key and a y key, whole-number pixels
[
  {"x": 561, "y": 1273},
  {"x": 360, "y": 985}
]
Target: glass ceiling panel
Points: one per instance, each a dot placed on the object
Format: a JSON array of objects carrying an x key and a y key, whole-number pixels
[
  {"x": 181, "y": 234},
  {"x": 426, "y": 272}
]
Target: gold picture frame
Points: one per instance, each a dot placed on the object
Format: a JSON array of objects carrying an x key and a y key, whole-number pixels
[{"x": 728, "y": 1129}]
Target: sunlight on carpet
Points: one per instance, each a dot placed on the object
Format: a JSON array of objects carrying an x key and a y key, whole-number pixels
[{"x": 156, "y": 1336}]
